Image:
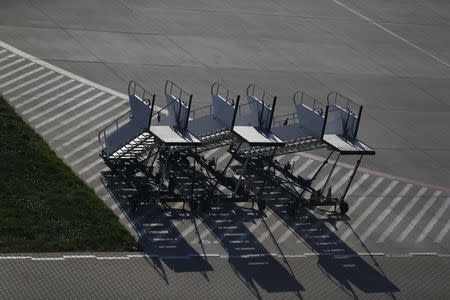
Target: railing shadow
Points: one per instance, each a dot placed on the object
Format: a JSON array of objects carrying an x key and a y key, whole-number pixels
[
  {"x": 150, "y": 222},
  {"x": 160, "y": 239},
  {"x": 336, "y": 259}
]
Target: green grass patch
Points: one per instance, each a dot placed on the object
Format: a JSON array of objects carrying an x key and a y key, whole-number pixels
[{"x": 44, "y": 206}]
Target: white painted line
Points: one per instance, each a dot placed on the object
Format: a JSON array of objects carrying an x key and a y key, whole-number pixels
[
  {"x": 383, "y": 215},
  {"x": 226, "y": 155},
  {"x": 320, "y": 184},
  {"x": 76, "y": 117},
  {"x": 46, "y": 92},
  {"x": 93, "y": 152},
  {"x": 90, "y": 166},
  {"x": 92, "y": 129},
  {"x": 369, "y": 210},
  {"x": 8, "y": 57},
  {"x": 47, "y": 258},
  {"x": 19, "y": 77},
  {"x": 79, "y": 256},
  {"x": 434, "y": 220},
  {"x": 337, "y": 186},
  {"x": 15, "y": 62},
  {"x": 96, "y": 175},
  {"x": 27, "y": 92},
  {"x": 86, "y": 121},
  {"x": 402, "y": 214},
  {"x": 61, "y": 71},
  {"x": 79, "y": 148},
  {"x": 303, "y": 167},
  {"x": 2, "y": 51},
  {"x": 443, "y": 232},
  {"x": 392, "y": 33},
  {"x": 271, "y": 229},
  {"x": 17, "y": 70},
  {"x": 62, "y": 103},
  {"x": 14, "y": 257},
  {"x": 360, "y": 200},
  {"x": 289, "y": 231},
  {"x": 418, "y": 217},
  {"x": 52, "y": 99}
]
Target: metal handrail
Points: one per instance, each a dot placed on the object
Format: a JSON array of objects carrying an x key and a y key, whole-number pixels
[
  {"x": 195, "y": 111},
  {"x": 347, "y": 104},
  {"x": 115, "y": 122},
  {"x": 228, "y": 96},
  {"x": 302, "y": 97},
  {"x": 285, "y": 119},
  {"x": 168, "y": 90}
]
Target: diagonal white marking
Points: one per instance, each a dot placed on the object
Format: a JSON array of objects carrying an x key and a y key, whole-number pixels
[
  {"x": 393, "y": 33},
  {"x": 320, "y": 184},
  {"x": 369, "y": 210},
  {"x": 271, "y": 229},
  {"x": 303, "y": 167},
  {"x": 21, "y": 77},
  {"x": 433, "y": 221},
  {"x": 402, "y": 214},
  {"x": 62, "y": 103},
  {"x": 52, "y": 99},
  {"x": 46, "y": 92},
  {"x": 383, "y": 215},
  {"x": 418, "y": 217},
  {"x": 443, "y": 232},
  {"x": 27, "y": 92},
  {"x": 15, "y": 62}
]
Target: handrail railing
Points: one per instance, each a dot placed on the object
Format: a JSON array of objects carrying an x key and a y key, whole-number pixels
[
  {"x": 301, "y": 97},
  {"x": 115, "y": 122},
  {"x": 180, "y": 93},
  {"x": 195, "y": 113},
  {"x": 286, "y": 119},
  {"x": 218, "y": 89},
  {"x": 344, "y": 103}
]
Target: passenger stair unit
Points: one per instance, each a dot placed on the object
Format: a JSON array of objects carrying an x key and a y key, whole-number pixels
[{"x": 127, "y": 139}]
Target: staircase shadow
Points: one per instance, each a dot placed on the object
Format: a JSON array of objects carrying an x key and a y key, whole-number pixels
[
  {"x": 337, "y": 260},
  {"x": 157, "y": 237}
]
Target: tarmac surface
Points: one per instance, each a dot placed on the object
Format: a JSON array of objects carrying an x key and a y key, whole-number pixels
[{"x": 392, "y": 57}]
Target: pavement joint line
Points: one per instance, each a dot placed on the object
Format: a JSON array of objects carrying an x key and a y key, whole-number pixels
[{"x": 392, "y": 33}]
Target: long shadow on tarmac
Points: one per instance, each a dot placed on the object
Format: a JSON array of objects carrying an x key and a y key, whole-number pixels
[
  {"x": 337, "y": 260},
  {"x": 163, "y": 242}
]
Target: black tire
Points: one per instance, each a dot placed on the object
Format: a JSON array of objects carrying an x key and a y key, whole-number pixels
[
  {"x": 343, "y": 207},
  {"x": 261, "y": 205}
]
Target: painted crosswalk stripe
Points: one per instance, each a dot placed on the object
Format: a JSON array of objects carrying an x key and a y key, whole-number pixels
[
  {"x": 402, "y": 214},
  {"x": 90, "y": 131},
  {"x": 86, "y": 156},
  {"x": 369, "y": 210},
  {"x": 418, "y": 217},
  {"x": 66, "y": 111},
  {"x": 80, "y": 148},
  {"x": 269, "y": 231},
  {"x": 361, "y": 199},
  {"x": 2, "y": 51},
  {"x": 14, "y": 62},
  {"x": 96, "y": 175},
  {"x": 76, "y": 117},
  {"x": 383, "y": 215},
  {"x": 320, "y": 184},
  {"x": 19, "y": 77},
  {"x": 18, "y": 70},
  {"x": 42, "y": 94},
  {"x": 55, "y": 100},
  {"x": 303, "y": 167},
  {"x": 443, "y": 232},
  {"x": 29, "y": 91},
  {"x": 90, "y": 166},
  {"x": 434, "y": 220},
  {"x": 58, "y": 105}
]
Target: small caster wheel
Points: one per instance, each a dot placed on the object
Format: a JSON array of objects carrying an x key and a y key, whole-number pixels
[
  {"x": 343, "y": 207},
  {"x": 193, "y": 205},
  {"x": 261, "y": 205}
]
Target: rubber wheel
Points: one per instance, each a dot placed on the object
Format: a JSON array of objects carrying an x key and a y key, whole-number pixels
[
  {"x": 261, "y": 205},
  {"x": 343, "y": 207}
]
